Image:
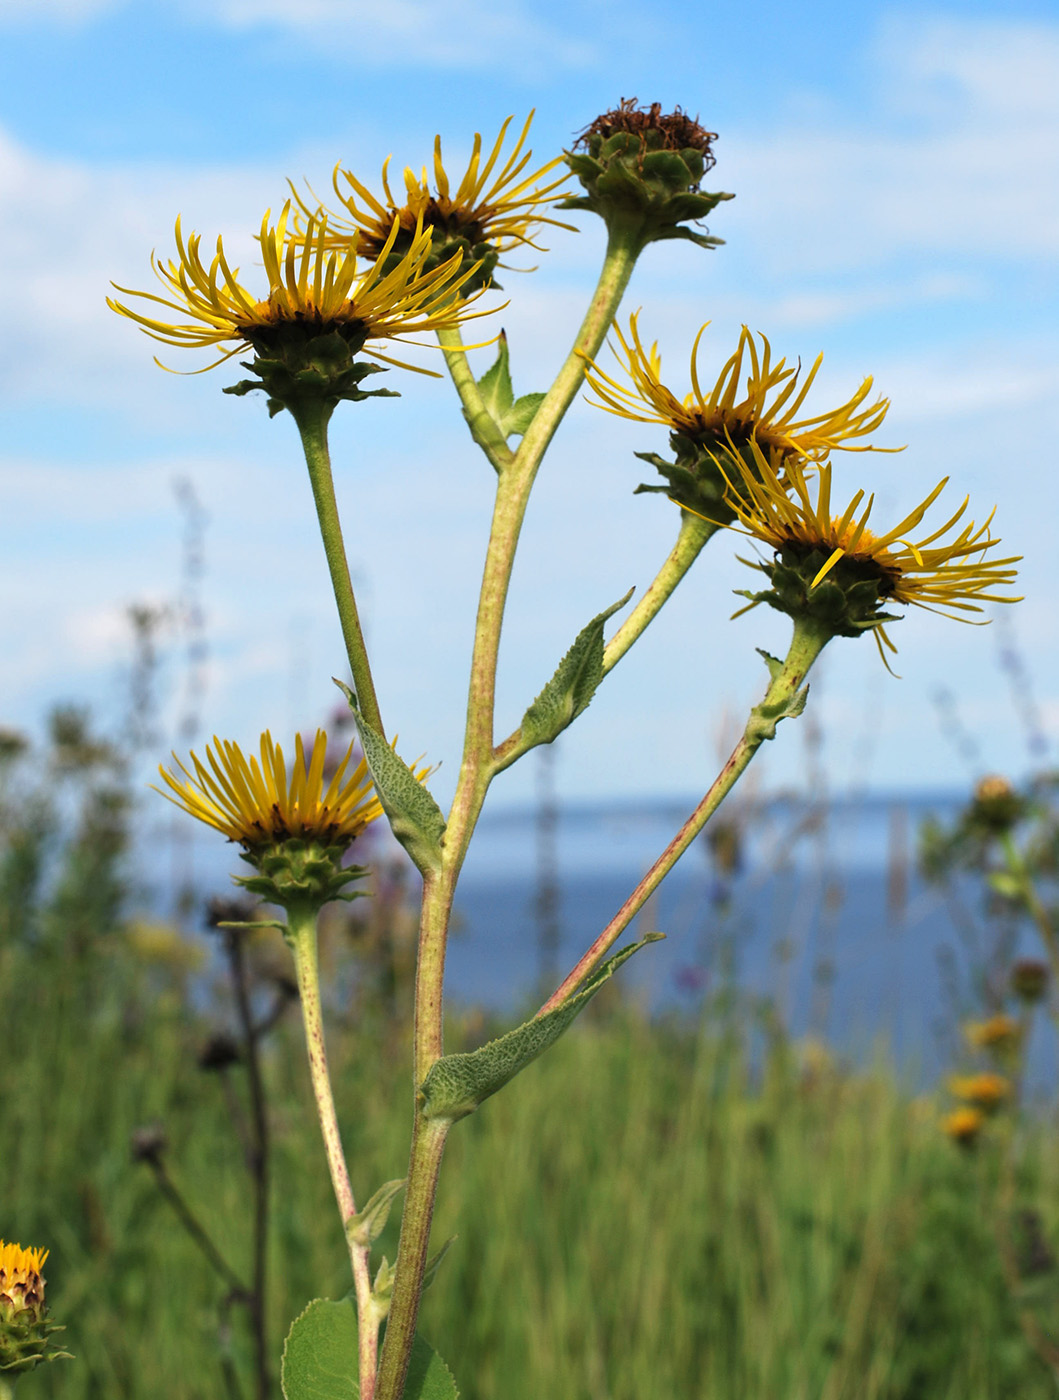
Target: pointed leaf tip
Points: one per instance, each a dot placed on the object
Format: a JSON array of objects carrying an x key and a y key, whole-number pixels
[
  {"x": 511, "y": 416},
  {"x": 456, "y": 1084},
  {"x": 570, "y": 690},
  {"x": 415, "y": 818}
]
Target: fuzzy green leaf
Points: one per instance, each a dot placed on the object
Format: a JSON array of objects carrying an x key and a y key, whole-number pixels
[
  {"x": 774, "y": 664},
  {"x": 495, "y": 384},
  {"x": 430, "y": 1273},
  {"x": 368, "y": 1224},
  {"x": 415, "y": 818},
  {"x": 456, "y": 1084},
  {"x": 320, "y": 1359},
  {"x": 765, "y": 717},
  {"x": 520, "y": 415},
  {"x": 428, "y": 1376},
  {"x": 573, "y": 685},
  {"x": 320, "y": 1353},
  {"x": 511, "y": 416}
]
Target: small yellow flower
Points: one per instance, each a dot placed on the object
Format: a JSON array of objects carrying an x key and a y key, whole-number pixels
[
  {"x": 986, "y": 1091},
  {"x": 26, "y": 1332},
  {"x": 767, "y": 409},
  {"x": 999, "y": 1032},
  {"x": 257, "y": 804},
  {"x": 494, "y": 208},
  {"x": 313, "y": 289},
  {"x": 772, "y": 502},
  {"x": 963, "y": 1125}
]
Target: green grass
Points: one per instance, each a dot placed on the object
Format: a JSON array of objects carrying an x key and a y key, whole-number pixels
[{"x": 638, "y": 1216}]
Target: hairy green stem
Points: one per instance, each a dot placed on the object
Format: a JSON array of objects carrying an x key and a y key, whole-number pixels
[
  {"x": 481, "y": 422},
  {"x": 618, "y": 263},
  {"x": 428, "y": 1145},
  {"x": 806, "y": 646},
  {"x": 516, "y": 477},
  {"x": 695, "y": 534},
  {"x": 312, "y": 420},
  {"x": 513, "y": 490},
  {"x": 301, "y": 924}
]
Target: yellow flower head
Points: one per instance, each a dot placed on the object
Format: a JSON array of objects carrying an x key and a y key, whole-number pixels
[
  {"x": 1000, "y": 1032},
  {"x": 26, "y": 1333},
  {"x": 986, "y": 1091},
  {"x": 772, "y": 502},
  {"x": 964, "y": 1125},
  {"x": 314, "y": 289},
  {"x": 762, "y": 402},
  {"x": 258, "y": 804},
  {"x": 21, "y": 1281},
  {"x": 495, "y": 207}
]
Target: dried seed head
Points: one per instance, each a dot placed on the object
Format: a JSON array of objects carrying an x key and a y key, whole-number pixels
[{"x": 679, "y": 131}]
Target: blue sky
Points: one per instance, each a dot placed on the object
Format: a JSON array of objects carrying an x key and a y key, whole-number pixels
[{"x": 897, "y": 182}]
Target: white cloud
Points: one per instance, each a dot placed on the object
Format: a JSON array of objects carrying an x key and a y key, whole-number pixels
[
  {"x": 1006, "y": 68},
  {"x": 961, "y": 157},
  {"x": 51, "y": 11},
  {"x": 67, "y": 229},
  {"x": 990, "y": 382},
  {"x": 871, "y": 223},
  {"x": 461, "y": 34}
]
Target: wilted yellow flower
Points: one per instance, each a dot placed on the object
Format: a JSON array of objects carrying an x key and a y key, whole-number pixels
[
  {"x": 964, "y": 1125},
  {"x": 999, "y": 1032},
  {"x": 986, "y": 1091},
  {"x": 257, "y": 804},
  {"x": 773, "y": 502},
  {"x": 313, "y": 289},
  {"x": 767, "y": 408},
  {"x": 495, "y": 207}
]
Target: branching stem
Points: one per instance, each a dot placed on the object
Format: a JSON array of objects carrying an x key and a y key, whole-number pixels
[
  {"x": 516, "y": 477},
  {"x": 695, "y": 534},
  {"x": 806, "y": 645},
  {"x": 483, "y": 426}
]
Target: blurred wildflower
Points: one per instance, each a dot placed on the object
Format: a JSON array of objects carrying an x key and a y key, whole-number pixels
[
  {"x": 996, "y": 806},
  {"x": 986, "y": 1091},
  {"x": 149, "y": 1143},
  {"x": 1029, "y": 979},
  {"x": 833, "y": 569},
  {"x": 219, "y": 1052},
  {"x": 491, "y": 211},
  {"x": 999, "y": 1032},
  {"x": 314, "y": 291},
  {"x": 164, "y": 945},
  {"x": 13, "y": 744},
  {"x": 964, "y": 1125}
]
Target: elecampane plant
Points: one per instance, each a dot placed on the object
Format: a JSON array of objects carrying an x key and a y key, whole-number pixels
[{"x": 343, "y": 286}]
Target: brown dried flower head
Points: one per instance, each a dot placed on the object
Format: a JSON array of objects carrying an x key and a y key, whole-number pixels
[{"x": 679, "y": 132}]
